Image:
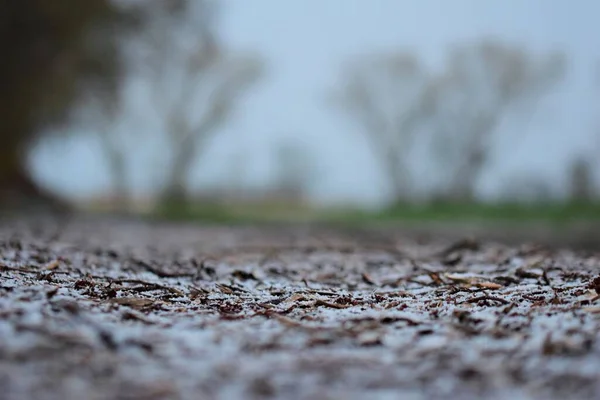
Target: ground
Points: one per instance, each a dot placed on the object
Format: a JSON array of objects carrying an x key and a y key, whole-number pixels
[{"x": 107, "y": 308}]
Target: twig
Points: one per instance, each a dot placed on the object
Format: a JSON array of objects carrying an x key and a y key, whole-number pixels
[
  {"x": 490, "y": 298},
  {"x": 324, "y": 303}
]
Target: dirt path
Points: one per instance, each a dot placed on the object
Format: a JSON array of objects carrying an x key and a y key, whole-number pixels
[{"x": 103, "y": 309}]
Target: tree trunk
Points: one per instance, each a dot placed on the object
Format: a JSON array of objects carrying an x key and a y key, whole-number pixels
[
  {"x": 176, "y": 190},
  {"x": 463, "y": 182},
  {"x": 120, "y": 184},
  {"x": 399, "y": 178},
  {"x": 118, "y": 173}
]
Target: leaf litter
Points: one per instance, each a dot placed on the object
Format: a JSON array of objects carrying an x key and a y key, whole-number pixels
[{"x": 112, "y": 309}]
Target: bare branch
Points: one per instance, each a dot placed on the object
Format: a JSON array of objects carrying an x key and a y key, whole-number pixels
[
  {"x": 390, "y": 97},
  {"x": 195, "y": 83},
  {"x": 483, "y": 83}
]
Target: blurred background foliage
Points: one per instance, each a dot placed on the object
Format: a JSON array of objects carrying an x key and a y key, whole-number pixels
[
  {"x": 53, "y": 51},
  {"x": 109, "y": 69}
]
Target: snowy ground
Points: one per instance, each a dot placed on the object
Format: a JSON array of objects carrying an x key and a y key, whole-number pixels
[{"x": 108, "y": 309}]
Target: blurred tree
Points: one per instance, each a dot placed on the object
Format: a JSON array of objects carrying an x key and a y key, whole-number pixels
[
  {"x": 389, "y": 95},
  {"x": 596, "y": 146},
  {"x": 103, "y": 117},
  {"x": 294, "y": 170},
  {"x": 581, "y": 180},
  {"x": 483, "y": 82},
  {"x": 526, "y": 188},
  {"x": 53, "y": 51},
  {"x": 194, "y": 84},
  {"x": 236, "y": 174}
]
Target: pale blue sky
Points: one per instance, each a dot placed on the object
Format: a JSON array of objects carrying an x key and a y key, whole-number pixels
[{"x": 305, "y": 41}]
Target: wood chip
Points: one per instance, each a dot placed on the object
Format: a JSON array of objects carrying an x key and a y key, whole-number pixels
[
  {"x": 52, "y": 265},
  {"x": 330, "y": 305},
  {"x": 489, "y": 285},
  {"x": 295, "y": 297},
  {"x": 134, "y": 302}
]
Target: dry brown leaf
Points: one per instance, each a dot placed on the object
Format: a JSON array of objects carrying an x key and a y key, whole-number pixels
[
  {"x": 134, "y": 302},
  {"x": 367, "y": 279},
  {"x": 287, "y": 321},
  {"x": 489, "y": 285},
  {"x": 435, "y": 277},
  {"x": 295, "y": 297},
  {"x": 52, "y": 265},
  {"x": 459, "y": 279},
  {"x": 369, "y": 338},
  {"x": 330, "y": 305},
  {"x": 224, "y": 289}
]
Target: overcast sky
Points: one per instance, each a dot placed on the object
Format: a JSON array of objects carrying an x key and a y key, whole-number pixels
[{"x": 305, "y": 41}]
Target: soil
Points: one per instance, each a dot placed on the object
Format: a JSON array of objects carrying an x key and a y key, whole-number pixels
[{"x": 108, "y": 308}]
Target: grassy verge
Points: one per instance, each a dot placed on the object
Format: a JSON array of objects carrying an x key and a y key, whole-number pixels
[
  {"x": 558, "y": 213},
  {"x": 457, "y": 212}
]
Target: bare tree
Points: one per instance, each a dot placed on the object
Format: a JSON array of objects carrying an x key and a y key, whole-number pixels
[
  {"x": 105, "y": 119},
  {"x": 53, "y": 51},
  {"x": 389, "y": 96},
  {"x": 294, "y": 169},
  {"x": 483, "y": 83},
  {"x": 105, "y": 113},
  {"x": 526, "y": 188},
  {"x": 195, "y": 84},
  {"x": 596, "y": 145},
  {"x": 581, "y": 180}
]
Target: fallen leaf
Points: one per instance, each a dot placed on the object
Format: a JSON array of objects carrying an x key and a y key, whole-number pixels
[
  {"x": 295, "y": 297},
  {"x": 52, "y": 265},
  {"x": 489, "y": 285},
  {"x": 134, "y": 302},
  {"x": 330, "y": 305},
  {"x": 369, "y": 339},
  {"x": 367, "y": 279}
]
